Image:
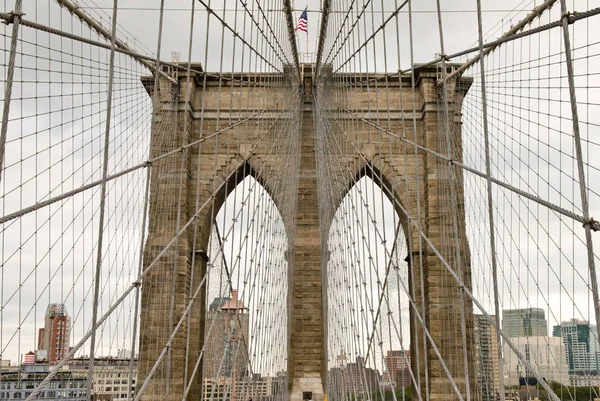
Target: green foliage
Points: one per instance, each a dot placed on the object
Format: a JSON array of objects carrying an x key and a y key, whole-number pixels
[
  {"x": 574, "y": 393},
  {"x": 566, "y": 393},
  {"x": 389, "y": 396}
]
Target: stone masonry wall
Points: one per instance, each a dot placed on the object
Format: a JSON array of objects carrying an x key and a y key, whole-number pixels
[{"x": 226, "y": 159}]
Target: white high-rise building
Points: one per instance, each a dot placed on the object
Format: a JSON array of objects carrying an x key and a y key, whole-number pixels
[{"x": 545, "y": 354}]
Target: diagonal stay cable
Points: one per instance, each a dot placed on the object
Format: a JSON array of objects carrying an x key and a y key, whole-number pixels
[
  {"x": 75, "y": 9},
  {"x": 465, "y": 288},
  {"x": 220, "y": 251},
  {"x": 289, "y": 19},
  {"x": 323, "y": 34},
  {"x": 354, "y": 24},
  {"x": 145, "y": 60},
  {"x": 245, "y": 5},
  {"x": 372, "y": 36},
  {"x": 137, "y": 283},
  {"x": 147, "y": 163},
  {"x": 347, "y": 14},
  {"x": 572, "y": 18},
  {"x": 191, "y": 302},
  {"x": 595, "y": 225},
  {"x": 418, "y": 315},
  {"x": 8, "y": 86},
  {"x": 237, "y": 35},
  {"x": 537, "y": 12}
]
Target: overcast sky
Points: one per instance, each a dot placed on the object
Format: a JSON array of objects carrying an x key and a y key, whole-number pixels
[{"x": 541, "y": 257}]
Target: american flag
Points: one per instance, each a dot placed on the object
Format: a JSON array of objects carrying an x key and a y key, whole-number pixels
[{"x": 302, "y": 22}]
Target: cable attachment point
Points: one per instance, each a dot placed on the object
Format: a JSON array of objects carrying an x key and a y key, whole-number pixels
[
  {"x": 442, "y": 57},
  {"x": 10, "y": 17},
  {"x": 568, "y": 16},
  {"x": 593, "y": 224},
  {"x": 450, "y": 162}
]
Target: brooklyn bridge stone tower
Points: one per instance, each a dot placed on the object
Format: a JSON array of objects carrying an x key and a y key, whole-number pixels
[{"x": 409, "y": 172}]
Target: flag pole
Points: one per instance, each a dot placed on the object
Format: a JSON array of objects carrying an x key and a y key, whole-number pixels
[{"x": 307, "y": 52}]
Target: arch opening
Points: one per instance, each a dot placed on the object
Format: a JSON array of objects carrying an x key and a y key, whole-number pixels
[
  {"x": 246, "y": 297},
  {"x": 368, "y": 292}
]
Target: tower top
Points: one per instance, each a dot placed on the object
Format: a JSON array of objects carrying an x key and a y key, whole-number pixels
[{"x": 54, "y": 310}]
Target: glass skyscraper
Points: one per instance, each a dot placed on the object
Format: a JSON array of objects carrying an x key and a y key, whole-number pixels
[
  {"x": 526, "y": 322},
  {"x": 581, "y": 346}
]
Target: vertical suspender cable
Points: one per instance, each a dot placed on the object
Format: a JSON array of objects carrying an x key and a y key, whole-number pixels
[
  {"x": 75, "y": 9},
  {"x": 490, "y": 197},
  {"x": 287, "y": 6},
  {"x": 453, "y": 181},
  {"x": 419, "y": 220},
  {"x": 111, "y": 71},
  {"x": 9, "y": 79},
  {"x": 322, "y": 34},
  {"x": 137, "y": 290},
  {"x": 187, "y": 110},
  {"x": 585, "y": 207},
  {"x": 529, "y": 18}
]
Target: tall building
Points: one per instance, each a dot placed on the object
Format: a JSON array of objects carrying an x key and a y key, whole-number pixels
[
  {"x": 486, "y": 358},
  {"x": 581, "y": 346},
  {"x": 53, "y": 339},
  {"x": 546, "y": 354},
  {"x": 226, "y": 356},
  {"x": 361, "y": 379},
  {"x": 526, "y": 322},
  {"x": 353, "y": 379},
  {"x": 397, "y": 364}
]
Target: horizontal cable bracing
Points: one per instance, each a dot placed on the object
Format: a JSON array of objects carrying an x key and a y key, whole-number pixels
[
  {"x": 145, "y": 60},
  {"x": 573, "y": 18},
  {"x": 145, "y": 164},
  {"x": 411, "y": 260},
  {"x": 237, "y": 35},
  {"x": 139, "y": 280},
  {"x": 197, "y": 290},
  {"x": 412, "y": 220},
  {"x": 594, "y": 224}
]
